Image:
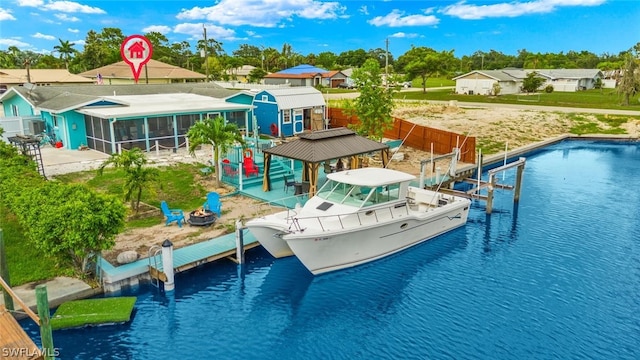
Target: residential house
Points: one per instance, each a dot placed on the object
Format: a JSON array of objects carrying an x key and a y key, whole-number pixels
[
  {"x": 306, "y": 75},
  {"x": 289, "y": 111},
  {"x": 108, "y": 118},
  {"x": 481, "y": 82},
  {"x": 39, "y": 77},
  {"x": 240, "y": 74},
  {"x": 153, "y": 72}
]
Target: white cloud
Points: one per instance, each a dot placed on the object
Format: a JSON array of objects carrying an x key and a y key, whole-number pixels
[
  {"x": 62, "y": 6},
  {"x": 512, "y": 9},
  {"x": 363, "y": 10},
  {"x": 404, "y": 35},
  {"x": 5, "y": 15},
  {"x": 80, "y": 42},
  {"x": 162, "y": 29},
  {"x": 396, "y": 18},
  {"x": 43, "y": 36},
  {"x": 75, "y": 31},
  {"x": 14, "y": 42},
  {"x": 30, "y": 3},
  {"x": 65, "y": 17},
  {"x": 263, "y": 13},
  {"x": 213, "y": 31}
]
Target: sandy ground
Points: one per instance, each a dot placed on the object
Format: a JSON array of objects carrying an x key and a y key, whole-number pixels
[{"x": 516, "y": 127}]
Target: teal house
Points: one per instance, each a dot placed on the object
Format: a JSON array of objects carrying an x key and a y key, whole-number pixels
[{"x": 109, "y": 118}]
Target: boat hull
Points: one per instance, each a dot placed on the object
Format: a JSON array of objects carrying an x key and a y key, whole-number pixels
[
  {"x": 269, "y": 234},
  {"x": 327, "y": 251}
]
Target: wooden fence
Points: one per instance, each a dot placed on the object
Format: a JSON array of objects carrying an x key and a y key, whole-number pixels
[{"x": 419, "y": 137}]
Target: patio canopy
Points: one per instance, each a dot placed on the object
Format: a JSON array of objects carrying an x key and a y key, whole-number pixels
[{"x": 318, "y": 146}]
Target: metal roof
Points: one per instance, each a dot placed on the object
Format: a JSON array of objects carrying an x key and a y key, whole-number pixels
[
  {"x": 69, "y": 97},
  {"x": 325, "y": 145},
  {"x": 297, "y": 97},
  {"x": 302, "y": 69},
  {"x": 156, "y": 104}
]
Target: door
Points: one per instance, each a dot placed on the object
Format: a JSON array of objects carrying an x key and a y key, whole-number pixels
[{"x": 298, "y": 121}]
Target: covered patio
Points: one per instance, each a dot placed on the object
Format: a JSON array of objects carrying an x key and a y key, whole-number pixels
[{"x": 320, "y": 149}]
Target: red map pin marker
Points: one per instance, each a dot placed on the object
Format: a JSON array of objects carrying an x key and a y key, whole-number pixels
[{"x": 136, "y": 50}]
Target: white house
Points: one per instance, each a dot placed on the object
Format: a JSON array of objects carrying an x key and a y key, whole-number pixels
[{"x": 510, "y": 80}]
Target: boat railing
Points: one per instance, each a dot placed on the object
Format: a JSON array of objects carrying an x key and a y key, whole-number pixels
[
  {"x": 354, "y": 219},
  {"x": 289, "y": 204}
]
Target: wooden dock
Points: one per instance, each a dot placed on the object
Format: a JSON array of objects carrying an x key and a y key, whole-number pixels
[{"x": 14, "y": 341}]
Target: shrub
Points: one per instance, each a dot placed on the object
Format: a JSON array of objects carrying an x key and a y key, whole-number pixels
[{"x": 548, "y": 89}]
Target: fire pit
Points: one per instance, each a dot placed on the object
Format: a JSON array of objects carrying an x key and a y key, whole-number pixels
[{"x": 201, "y": 217}]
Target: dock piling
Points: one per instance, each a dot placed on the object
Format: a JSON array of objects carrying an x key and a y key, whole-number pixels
[
  {"x": 239, "y": 242},
  {"x": 167, "y": 265},
  {"x": 4, "y": 273},
  {"x": 42, "y": 300}
]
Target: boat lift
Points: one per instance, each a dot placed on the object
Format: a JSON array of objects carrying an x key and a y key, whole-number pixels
[{"x": 446, "y": 182}]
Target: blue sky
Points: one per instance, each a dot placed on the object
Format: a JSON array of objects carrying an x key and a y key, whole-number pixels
[{"x": 313, "y": 26}]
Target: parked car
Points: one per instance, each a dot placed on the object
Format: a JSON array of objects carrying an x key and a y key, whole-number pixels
[
  {"x": 406, "y": 84},
  {"x": 344, "y": 85}
]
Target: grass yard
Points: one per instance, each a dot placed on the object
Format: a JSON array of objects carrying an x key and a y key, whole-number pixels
[
  {"x": 597, "y": 99},
  {"x": 80, "y": 313},
  {"x": 26, "y": 263},
  {"x": 180, "y": 185}
]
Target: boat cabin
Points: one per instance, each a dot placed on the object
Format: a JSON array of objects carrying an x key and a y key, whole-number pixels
[{"x": 365, "y": 187}]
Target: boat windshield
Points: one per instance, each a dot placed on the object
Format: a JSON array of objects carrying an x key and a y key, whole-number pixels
[{"x": 358, "y": 196}]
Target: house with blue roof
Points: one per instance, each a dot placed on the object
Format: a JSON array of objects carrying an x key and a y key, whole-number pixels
[
  {"x": 306, "y": 75},
  {"x": 109, "y": 118},
  {"x": 289, "y": 111}
]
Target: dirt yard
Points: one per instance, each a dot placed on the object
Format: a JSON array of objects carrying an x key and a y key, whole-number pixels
[{"x": 489, "y": 125}]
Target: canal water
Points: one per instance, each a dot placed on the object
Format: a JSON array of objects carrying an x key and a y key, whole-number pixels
[{"x": 555, "y": 277}]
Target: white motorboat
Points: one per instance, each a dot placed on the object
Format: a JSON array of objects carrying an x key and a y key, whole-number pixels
[{"x": 359, "y": 216}]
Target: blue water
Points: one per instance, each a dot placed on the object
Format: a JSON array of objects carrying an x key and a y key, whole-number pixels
[{"x": 556, "y": 277}]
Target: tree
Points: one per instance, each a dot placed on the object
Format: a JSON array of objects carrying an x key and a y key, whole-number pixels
[
  {"x": 256, "y": 75},
  {"x": 532, "y": 82},
  {"x": 70, "y": 221},
  {"x": 138, "y": 176},
  {"x": 65, "y": 49},
  {"x": 215, "y": 132},
  {"x": 495, "y": 88},
  {"x": 424, "y": 62},
  {"x": 375, "y": 103},
  {"x": 629, "y": 83}
]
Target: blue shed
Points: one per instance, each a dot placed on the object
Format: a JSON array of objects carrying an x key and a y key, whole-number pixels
[{"x": 289, "y": 111}]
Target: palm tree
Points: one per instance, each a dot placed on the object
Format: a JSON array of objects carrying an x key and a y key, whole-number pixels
[
  {"x": 137, "y": 175},
  {"x": 215, "y": 132},
  {"x": 65, "y": 49}
]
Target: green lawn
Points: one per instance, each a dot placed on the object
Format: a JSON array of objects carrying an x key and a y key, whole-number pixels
[{"x": 597, "y": 99}]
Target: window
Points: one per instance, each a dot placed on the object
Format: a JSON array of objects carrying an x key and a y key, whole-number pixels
[
  {"x": 237, "y": 118},
  {"x": 286, "y": 117},
  {"x": 214, "y": 115},
  {"x": 264, "y": 98},
  {"x": 14, "y": 110}
]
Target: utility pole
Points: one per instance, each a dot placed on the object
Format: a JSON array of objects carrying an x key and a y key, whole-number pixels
[
  {"x": 386, "y": 63},
  {"x": 206, "y": 57}
]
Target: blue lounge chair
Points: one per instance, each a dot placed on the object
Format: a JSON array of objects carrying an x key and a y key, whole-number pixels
[
  {"x": 213, "y": 203},
  {"x": 172, "y": 214}
]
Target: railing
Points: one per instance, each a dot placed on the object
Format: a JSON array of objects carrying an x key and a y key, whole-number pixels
[{"x": 363, "y": 217}]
